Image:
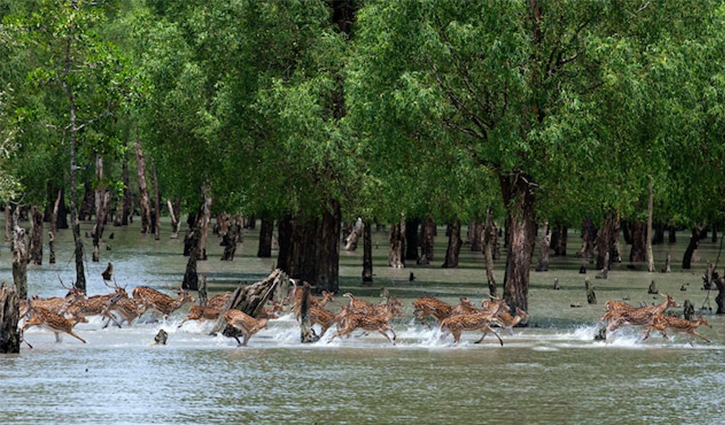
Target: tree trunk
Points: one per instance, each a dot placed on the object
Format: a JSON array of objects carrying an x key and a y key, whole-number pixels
[
  {"x": 411, "y": 239},
  {"x": 102, "y": 200},
  {"x": 204, "y": 225},
  {"x": 75, "y": 224},
  {"x": 191, "y": 278},
  {"x": 266, "y": 232},
  {"x": 648, "y": 236},
  {"x": 8, "y": 225},
  {"x": 285, "y": 229},
  {"x": 720, "y": 298},
  {"x": 89, "y": 196},
  {"x": 607, "y": 248},
  {"x": 53, "y": 224},
  {"x": 122, "y": 213},
  {"x": 143, "y": 190},
  {"x": 9, "y": 318},
  {"x": 157, "y": 208},
  {"x": 353, "y": 236},
  {"x": 454, "y": 246},
  {"x": 638, "y": 253},
  {"x": 714, "y": 232},
  {"x": 232, "y": 237},
  {"x": 305, "y": 326},
  {"x": 20, "y": 258},
  {"x": 367, "y": 274},
  {"x": 475, "y": 236},
  {"x": 36, "y": 236},
  {"x": 659, "y": 234},
  {"x": 489, "y": 233},
  {"x": 589, "y": 233},
  {"x": 672, "y": 234},
  {"x": 544, "y": 245},
  {"x": 519, "y": 199},
  {"x": 558, "y": 240},
  {"x": 396, "y": 259},
  {"x": 175, "y": 222},
  {"x": 694, "y": 243},
  {"x": 427, "y": 242}
]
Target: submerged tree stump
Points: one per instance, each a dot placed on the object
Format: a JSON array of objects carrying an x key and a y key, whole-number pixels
[
  {"x": 689, "y": 310},
  {"x": 9, "y": 318},
  {"x": 305, "y": 325},
  {"x": 591, "y": 296},
  {"x": 250, "y": 299},
  {"x": 652, "y": 288}
]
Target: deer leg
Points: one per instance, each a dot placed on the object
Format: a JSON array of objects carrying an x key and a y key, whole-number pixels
[
  {"x": 386, "y": 336},
  {"x": 488, "y": 329},
  {"x": 697, "y": 334},
  {"x": 71, "y": 333},
  {"x": 481, "y": 339}
]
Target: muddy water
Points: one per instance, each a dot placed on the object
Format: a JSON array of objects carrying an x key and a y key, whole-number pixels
[{"x": 550, "y": 372}]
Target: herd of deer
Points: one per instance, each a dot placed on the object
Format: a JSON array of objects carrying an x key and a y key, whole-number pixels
[
  {"x": 61, "y": 314},
  {"x": 619, "y": 314}
]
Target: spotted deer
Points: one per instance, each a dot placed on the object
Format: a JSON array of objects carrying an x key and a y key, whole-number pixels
[
  {"x": 465, "y": 306},
  {"x": 639, "y": 316},
  {"x": 504, "y": 319},
  {"x": 325, "y": 318},
  {"x": 369, "y": 322},
  {"x": 314, "y": 301},
  {"x": 472, "y": 322},
  {"x": 431, "y": 306},
  {"x": 98, "y": 305},
  {"x": 244, "y": 323},
  {"x": 125, "y": 307},
  {"x": 150, "y": 298},
  {"x": 53, "y": 322},
  {"x": 662, "y": 322},
  {"x": 57, "y": 305},
  {"x": 359, "y": 306}
]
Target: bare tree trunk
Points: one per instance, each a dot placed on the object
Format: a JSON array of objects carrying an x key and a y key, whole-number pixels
[
  {"x": 489, "y": 233},
  {"x": 305, "y": 326},
  {"x": 692, "y": 246},
  {"x": 427, "y": 242},
  {"x": 396, "y": 259},
  {"x": 87, "y": 206},
  {"x": 367, "y": 274},
  {"x": 175, "y": 222},
  {"x": 205, "y": 220},
  {"x": 103, "y": 198},
  {"x": 638, "y": 252},
  {"x": 20, "y": 258},
  {"x": 191, "y": 278},
  {"x": 558, "y": 240},
  {"x": 266, "y": 232},
  {"x": 411, "y": 239},
  {"x": 544, "y": 244},
  {"x": 354, "y": 236},
  {"x": 650, "y": 254},
  {"x": 232, "y": 237},
  {"x": 284, "y": 256},
  {"x": 143, "y": 190},
  {"x": 454, "y": 245},
  {"x": 8, "y": 225},
  {"x": 589, "y": 232},
  {"x": 53, "y": 225},
  {"x": 157, "y": 208},
  {"x": 36, "y": 236},
  {"x": 475, "y": 236},
  {"x": 9, "y": 318}
]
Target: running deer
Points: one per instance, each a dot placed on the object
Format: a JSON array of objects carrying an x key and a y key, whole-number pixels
[
  {"x": 314, "y": 301},
  {"x": 244, "y": 323},
  {"x": 431, "y": 306},
  {"x": 364, "y": 307},
  {"x": 506, "y": 321},
  {"x": 125, "y": 307},
  {"x": 97, "y": 305},
  {"x": 150, "y": 298},
  {"x": 53, "y": 322},
  {"x": 639, "y": 316},
  {"x": 662, "y": 322},
  {"x": 465, "y": 306},
  {"x": 473, "y": 322},
  {"x": 368, "y": 322},
  {"x": 326, "y": 319},
  {"x": 57, "y": 305}
]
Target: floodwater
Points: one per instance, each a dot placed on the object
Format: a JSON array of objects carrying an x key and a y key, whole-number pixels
[{"x": 549, "y": 372}]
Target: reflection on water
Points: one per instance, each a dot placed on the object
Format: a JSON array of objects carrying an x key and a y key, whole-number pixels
[{"x": 550, "y": 372}]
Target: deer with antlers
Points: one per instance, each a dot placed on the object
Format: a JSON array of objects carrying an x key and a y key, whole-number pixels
[
  {"x": 431, "y": 306},
  {"x": 375, "y": 321},
  {"x": 638, "y": 316},
  {"x": 244, "y": 323},
  {"x": 98, "y": 305},
  {"x": 51, "y": 321},
  {"x": 504, "y": 319},
  {"x": 662, "y": 322},
  {"x": 150, "y": 298},
  {"x": 472, "y": 322}
]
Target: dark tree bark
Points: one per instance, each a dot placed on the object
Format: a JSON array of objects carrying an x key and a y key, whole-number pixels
[
  {"x": 720, "y": 298},
  {"x": 589, "y": 234},
  {"x": 672, "y": 234},
  {"x": 396, "y": 259},
  {"x": 102, "y": 198},
  {"x": 714, "y": 232},
  {"x": 89, "y": 197},
  {"x": 475, "y": 236},
  {"x": 232, "y": 237},
  {"x": 627, "y": 232},
  {"x": 9, "y": 318},
  {"x": 305, "y": 326},
  {"x": 648, "y": 233},
  {"x": 607, "y": 246},
  {"x": 489, "y": 235},
  {"x": 143, "y": 190},
  {"x": 659, "y": 234},
  {"x": 367, "y": 274},
  {"x": 454, "y": 245},
  {"x": 174, "y": 211},
  {"x": 265, "y": 238},
  {"x": 36, "y": 236},
  {"x": 284, "y": 256},
  {"x": 638, "y": 254},
  {"x": 8, "y": 225},
  {"x": 157, "y": 208},
  {"x": 692, "y": 246},
  {"x": 427, "y": 241},
  {"x": 519, "y": 198},
  {"x": 558, "y": 240},
  {"x": 411, "y": 239}
]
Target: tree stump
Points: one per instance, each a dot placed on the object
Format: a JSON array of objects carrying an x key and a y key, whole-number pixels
[
  {"x": 591, "y": 296},
  {"x": 556, "y": 284},
  {"x": 689, "y": 311},
  {"x": 305, "y": 326},
  {"x": 652, "y": 288},
  {"x": 9, "y": 318},
  {"x": 250, "y": 299}
]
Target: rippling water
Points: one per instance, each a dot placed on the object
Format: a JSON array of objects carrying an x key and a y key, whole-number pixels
[{"x": 550, "y": 372}]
